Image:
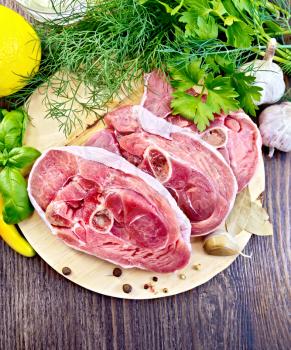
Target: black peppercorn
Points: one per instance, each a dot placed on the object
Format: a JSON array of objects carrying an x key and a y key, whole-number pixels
[
  {"x": 66, "y": 271},
  {"x": 117, "y": 272},
  {"x": 127, "y": 288},
  {"x": 155, "y": 279}
]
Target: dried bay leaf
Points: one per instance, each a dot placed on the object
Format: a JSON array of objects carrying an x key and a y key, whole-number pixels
[
  {"x": 239, "y": 216},
  {"x": 258, "y": 222},
  {"x": 249, "y": 216}
]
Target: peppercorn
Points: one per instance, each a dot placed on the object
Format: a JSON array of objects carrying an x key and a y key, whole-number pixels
[
  {"x": 117, "y": 272},
  {"x": 155, "y": 279},
  {"x": 182, "y": 276},
  {"x": 66, "y": 271},
  {"x": 127, "y": 288},
  {"x": 165, "y": 290},
  {"x": 146, "y": 286},
  {"x": 197, "y": 267}
]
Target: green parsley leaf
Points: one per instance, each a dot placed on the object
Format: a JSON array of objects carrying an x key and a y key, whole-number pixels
[
  {"x": 218, "y": 7},
  {"x": 185, "y": 78},
  {"x": 221, "y": 95},
  {"x": 248, "y": 93},
  {"x": 229, "y": 20},
  {"x": 206, "y": 28},
  {"x": 192, "y": 108},
  {"x": 239, "y": 35},
  {"x": 231, "y": 8},
  {"x": 184, "y": 104},
  {"x": 172, "y": 11},
  {"x": 198, "y": 8},
  {"x": 244, "y": 5},
  {"x": 242, "y": 83},
  {"x": 203, "y": 114},
  {"x": 190, "y": 18}
]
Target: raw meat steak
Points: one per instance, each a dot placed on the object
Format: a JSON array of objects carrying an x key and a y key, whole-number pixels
[
  {"x": 238, "y": 139},
  {"x": 158, "y": 94},
  {"x": 99, "y": 203},
  {"x": 194, "y": 172},
  {"x": 107, "y": 138},
  {"x": 235, "y": 136}
]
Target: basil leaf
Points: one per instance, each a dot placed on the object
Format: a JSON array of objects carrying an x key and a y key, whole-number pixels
[
  {"x": 12, "y": 129},
  {"x": 21, "y": 157},
  {"x": 2, "y": 113},
  {"x": 17, "y": 206},
  {"x": 3, "y": 158}
]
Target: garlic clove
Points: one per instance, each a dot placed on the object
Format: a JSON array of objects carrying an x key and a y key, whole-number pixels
[
  {"x": 221, "y": 243},
  {"x": 269, "y": 76}
]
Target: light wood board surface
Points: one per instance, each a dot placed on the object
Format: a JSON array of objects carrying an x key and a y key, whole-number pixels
[{"x": 91, "y": 272}]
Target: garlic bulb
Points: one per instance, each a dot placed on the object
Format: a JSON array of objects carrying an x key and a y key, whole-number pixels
[
  {"x": 269, "y": 76},
  {"x": 275, "y": 127}
]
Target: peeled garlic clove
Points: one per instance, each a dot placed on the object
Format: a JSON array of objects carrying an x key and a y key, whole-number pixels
[
  {"x": 221, "y": 244},
  {"x": 275, "y": 127},
  {"x": 269, "y": 76}
]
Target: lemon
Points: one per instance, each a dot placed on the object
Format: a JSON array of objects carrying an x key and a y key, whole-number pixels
[{"x": 20, "y": 51}]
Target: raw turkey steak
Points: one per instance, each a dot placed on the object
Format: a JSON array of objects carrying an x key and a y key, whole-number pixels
[
  {"x": 99, "y": 203},
  {"x": 235, "y": 136},
  {"x": 194, "y": 172}
]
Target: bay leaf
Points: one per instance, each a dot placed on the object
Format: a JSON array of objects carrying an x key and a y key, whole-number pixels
[
  {"x": 238, "y": 218},
  {"x": 258, "y": 222}
]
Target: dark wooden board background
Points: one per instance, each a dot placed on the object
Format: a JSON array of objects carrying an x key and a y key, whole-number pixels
[{"x": 245, "y": 307}]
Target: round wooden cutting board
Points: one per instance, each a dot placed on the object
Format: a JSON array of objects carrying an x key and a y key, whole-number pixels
[{"x": 93, "y": 273}]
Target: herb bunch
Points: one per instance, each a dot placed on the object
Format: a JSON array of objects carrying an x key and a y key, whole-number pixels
[
  {"x": 14, "y": 159},
  {"x": 109, "y": 49}
]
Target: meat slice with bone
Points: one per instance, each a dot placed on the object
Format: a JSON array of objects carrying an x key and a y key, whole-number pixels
[
  {"x": 194, "y": 172},
  {"x": 235, "y": 135},
  {"x": 99, "y": 203}
]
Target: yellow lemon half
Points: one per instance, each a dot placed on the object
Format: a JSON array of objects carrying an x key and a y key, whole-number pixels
[{"x": 20, "y": 51}]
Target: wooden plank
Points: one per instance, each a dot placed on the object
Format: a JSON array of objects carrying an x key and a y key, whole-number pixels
[{"x": 244, "y": 307}]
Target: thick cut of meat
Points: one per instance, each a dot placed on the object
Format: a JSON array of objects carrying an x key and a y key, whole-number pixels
[
  {"x": 194, "y": 172},
  {"x": 157, "y": 95},
  {"x": 108, "y": 140},
  {"x": 235, "y": 136},
  {"x": 99, "y": 203},
  {"x": 238, "y": 139}
]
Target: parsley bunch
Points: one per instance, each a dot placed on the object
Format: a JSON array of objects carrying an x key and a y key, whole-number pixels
[
  {"x": 218, "y": 86},
  {"x": 213, "y": 39}
]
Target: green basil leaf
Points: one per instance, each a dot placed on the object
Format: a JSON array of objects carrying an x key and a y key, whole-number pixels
[
  {"x": 17, "y": 206},
  {"x": 12, "y": 129},
  {"x": 2, "y": 113},
  {"x": 21, "y": 157}
]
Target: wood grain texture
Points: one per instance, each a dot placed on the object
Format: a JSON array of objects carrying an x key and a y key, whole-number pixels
[{"x": 245, "y": 307}]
